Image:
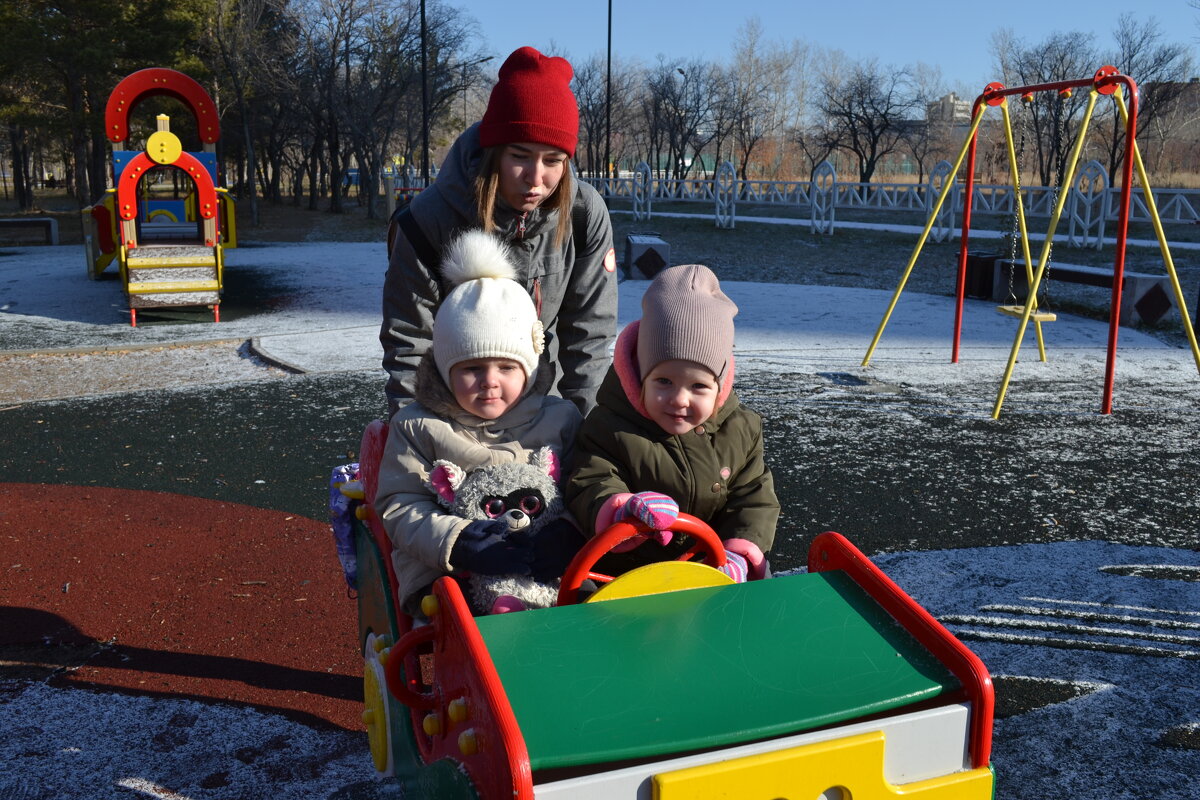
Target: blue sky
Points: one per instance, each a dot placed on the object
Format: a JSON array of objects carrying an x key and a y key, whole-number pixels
[{"x": 955, "y": 36}]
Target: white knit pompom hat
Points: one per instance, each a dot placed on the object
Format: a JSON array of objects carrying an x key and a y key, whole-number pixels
[{"x": 487, "y": 314}]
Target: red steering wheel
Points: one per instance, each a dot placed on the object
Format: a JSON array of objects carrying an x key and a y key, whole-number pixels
[{"x": 704, "y": 539}]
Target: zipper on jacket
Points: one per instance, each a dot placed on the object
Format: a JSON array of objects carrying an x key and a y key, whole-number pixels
[{"x": 521, "y": 225}]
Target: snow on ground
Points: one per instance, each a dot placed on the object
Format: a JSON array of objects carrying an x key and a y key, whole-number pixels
[{"x": 1123, "y": 618}]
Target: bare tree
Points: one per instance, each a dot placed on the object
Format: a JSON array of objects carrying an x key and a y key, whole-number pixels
[
  {"x": 766, "y": 84},
  {"x": 1161, "y": 71},
  {"x": 749, "y": 91},
  {"x": 695, "y": 117},
  {"x": 1049, "y": 116},
  {"x": 817, "y": 142},
  {"x": 591, "y": 94},
  {"x": 623, "y": 125},
  {"x": 652, "y": 112},
  {"x": 723, "y": 113},
  {"x": 866, "y": 107},
  {"x": 325, "y": 27},
  {"x": 928, "y": 137},
  {"x": 677, "y": 111},
  {"x": 233, "y": 36}
]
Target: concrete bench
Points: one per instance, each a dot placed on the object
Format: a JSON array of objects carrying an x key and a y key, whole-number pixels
[
  {"x": 1144, "y": 297},
  {"x": 48, "y": 226}
]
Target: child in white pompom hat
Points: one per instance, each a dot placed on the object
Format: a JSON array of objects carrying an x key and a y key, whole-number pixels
[{"x": 481, "y": 399}]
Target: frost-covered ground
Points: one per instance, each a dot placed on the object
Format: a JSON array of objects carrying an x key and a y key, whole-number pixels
[{"x": 1060, "y": 544}]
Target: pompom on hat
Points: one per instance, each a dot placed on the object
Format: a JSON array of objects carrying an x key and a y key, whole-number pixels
[
  {"x": 532, "y": 102},
  {"x": 686, "y": 316},
  {"x": 487, "y": 314}
]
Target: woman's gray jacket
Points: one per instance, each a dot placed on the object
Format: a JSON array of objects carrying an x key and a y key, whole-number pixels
[{"x": 575, "y": 282}]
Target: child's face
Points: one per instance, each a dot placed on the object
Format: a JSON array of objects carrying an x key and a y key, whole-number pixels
[
  {"x": 487, "y": 387},
  {"x": 679, "y": 395}
]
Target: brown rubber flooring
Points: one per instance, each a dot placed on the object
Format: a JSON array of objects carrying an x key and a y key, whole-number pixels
[{"x": 171, "y": 596}]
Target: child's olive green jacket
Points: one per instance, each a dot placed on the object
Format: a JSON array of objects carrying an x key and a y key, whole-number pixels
[{"x": 715, "y": 472}]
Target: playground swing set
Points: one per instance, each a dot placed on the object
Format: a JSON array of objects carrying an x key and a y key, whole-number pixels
[
  {"x": 169, "y": 252},
  {"x": 1106, "y": 81}
]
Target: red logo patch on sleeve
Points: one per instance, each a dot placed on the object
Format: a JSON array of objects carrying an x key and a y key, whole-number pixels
[{"x": 610, "y": 260}]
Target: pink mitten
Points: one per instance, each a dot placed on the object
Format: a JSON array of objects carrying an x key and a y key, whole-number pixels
[
  {"x": 756, "y": 563},
  {"x": 656, "y": 511},
  {"x": 651, "y": 509},
  {"x": 735, "y": 567}
]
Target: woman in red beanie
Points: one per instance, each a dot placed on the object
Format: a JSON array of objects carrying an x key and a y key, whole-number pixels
[{"x": 511, "y": 175}]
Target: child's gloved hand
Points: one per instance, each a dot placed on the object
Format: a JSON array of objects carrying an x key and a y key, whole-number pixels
[
  {"x": 553, "y": 548},
  {"x": 757, "y": 566},
  {"x": 735, "y": 567},
  {"x": 655, "y": 510},
  {"x": 485, "y": 547}
]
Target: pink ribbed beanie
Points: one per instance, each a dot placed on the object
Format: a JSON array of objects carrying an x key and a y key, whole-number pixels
[{"x": 686, "y": 316}]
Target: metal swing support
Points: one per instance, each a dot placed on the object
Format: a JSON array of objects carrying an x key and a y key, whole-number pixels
[{"x": 1106, "y": 81}]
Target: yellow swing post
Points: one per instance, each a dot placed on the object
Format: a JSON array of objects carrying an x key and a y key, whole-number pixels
[
  {"x": 1031, "y": 300},
  {"x": 937, "y": 207},
  {"x": 1152, "y": 207}
]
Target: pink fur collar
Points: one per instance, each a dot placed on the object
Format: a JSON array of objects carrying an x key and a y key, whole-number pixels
[{"x": 626, "y": 366}]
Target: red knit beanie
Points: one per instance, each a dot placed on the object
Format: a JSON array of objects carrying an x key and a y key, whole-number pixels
[{"x": 532, "y": 102}]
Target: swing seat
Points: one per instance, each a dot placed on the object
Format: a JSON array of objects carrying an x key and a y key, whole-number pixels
[{"x": 1019, "y": 311}]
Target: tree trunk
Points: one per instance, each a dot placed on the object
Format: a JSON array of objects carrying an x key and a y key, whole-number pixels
[
  {"x": 251, "y": 192},
  {"x": 368, "y": 179},
  {"x": 335, "y": 169},
  {"x": 79, "y": 147},
  {"x": 22, "y": 191},
  {"x": 314, "y": 158},
  {"x": 96, "y": 157}
]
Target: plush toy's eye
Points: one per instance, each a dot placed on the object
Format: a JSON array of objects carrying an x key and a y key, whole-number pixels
[
  {"x": 493, "y": 506},
  {"x": 531, "y": 504}
]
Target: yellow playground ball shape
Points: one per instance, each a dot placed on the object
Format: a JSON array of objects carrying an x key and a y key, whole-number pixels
[{"x": 164, "y": 147}]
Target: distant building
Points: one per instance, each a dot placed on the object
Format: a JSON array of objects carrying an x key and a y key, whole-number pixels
[{"x": 949, "y": 108}]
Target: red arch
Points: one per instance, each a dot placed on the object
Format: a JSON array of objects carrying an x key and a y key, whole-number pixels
[
  {"x": 206, "y": 194},
  {"x": 159, "y": 81}
]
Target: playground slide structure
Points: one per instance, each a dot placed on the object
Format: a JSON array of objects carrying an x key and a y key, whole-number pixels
[
  {"x": 169, "y": 252},
  {"x": 828, "y": 685}
]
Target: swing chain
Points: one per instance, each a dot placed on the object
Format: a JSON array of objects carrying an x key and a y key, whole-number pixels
[
  {"x": 1012, "y": 238},
  {"x": 1061, "y": 159}
]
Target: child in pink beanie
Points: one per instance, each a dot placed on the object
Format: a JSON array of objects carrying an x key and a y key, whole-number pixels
[{"x": 670, "y": 435}]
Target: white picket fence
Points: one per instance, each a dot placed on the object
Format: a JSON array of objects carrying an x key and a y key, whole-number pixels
[{"x": 1090, "y": 205}]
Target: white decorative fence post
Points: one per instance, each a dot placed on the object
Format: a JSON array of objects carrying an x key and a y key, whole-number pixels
[
  {"x": 641, "y": 191},
  {"x": 823, "y": 197},
  {"x": 725, "y": 192},
  {"x": 943, "y": 226},
  {"x": 1086, "y": 206}
]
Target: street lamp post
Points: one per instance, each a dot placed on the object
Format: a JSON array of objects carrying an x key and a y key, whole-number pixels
[
  {"x": 424, "y": 103},
  {"x": 608, "y": 111}
]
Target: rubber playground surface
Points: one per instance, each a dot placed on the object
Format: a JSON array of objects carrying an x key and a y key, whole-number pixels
[
  {"x": 172, "y": 602},
  {"x": 175, "y": 596}
]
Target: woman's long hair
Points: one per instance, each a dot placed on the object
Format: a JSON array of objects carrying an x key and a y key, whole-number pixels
[{"x": 487, "y": 186}]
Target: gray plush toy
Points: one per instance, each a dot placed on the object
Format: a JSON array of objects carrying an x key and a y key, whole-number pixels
[{"x": 526, "y": 496}]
